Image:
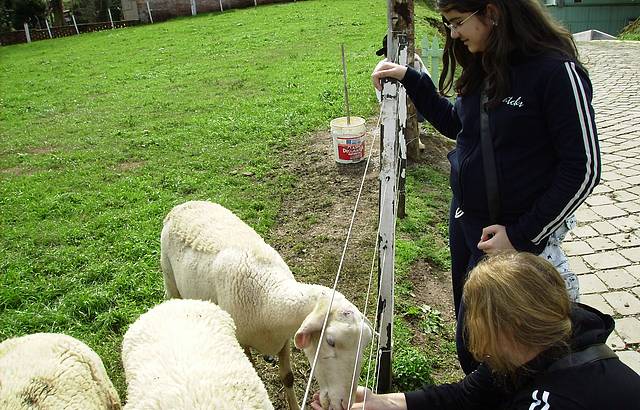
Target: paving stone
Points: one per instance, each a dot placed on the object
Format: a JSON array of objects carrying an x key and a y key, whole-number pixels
[
  {"x": 602, "y": 189},
  {"x": 606, "y": 260},
  {"x": 604, "y": 228},
  {"x": 624, "y": 303},
  {"x": 630, "y": 154},
  {"x": 574, "y": 248},
  {"x": 584, "y": 214},
  {"x": 626, "y": 240},
  {"x": 627, "y": 171},
  {"x": 636, "y": 290},
  {"x": 591, "y": 283},
  {"x": 595, "y": 200},
  {"x": 585, "y": 231},
  {"x": 615, "y": 342},
  {"x": 633, "y": 270},
  {"x": 633, "y": 190},
  {"x": 609, "y": 167},
  {"x": 597, "y": 301},
  {"x": 635, "y": 180},
  {"x": 617, "y": 279},
  {"x": 628, "y": 329},
  {"x": 613, "y": 158},
  {"x": 622, "y": 196},
  {"x": 617, "y": 185},
  {"x": 611, "y": 176},
  {"x": 625, "y": 224},
  {"x": 633, "y": 254},
  {"x": 578, "y": 266},
  {"x": 631, "y": 206},
  {"x": 601, "y": 243},
  {"x": 608, "y": 211},
  {"x": 630, "y": 358}
]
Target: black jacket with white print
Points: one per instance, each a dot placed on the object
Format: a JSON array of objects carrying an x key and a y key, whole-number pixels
[
  {"x": 604, "y": 384},
  {"x": 545, "y": 143}
]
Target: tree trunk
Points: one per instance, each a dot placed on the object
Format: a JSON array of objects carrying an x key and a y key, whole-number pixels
[{"x": 58, "y": 12}]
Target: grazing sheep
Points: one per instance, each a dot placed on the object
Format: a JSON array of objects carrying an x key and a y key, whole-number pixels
[
  {"x": 209, "y": 253},
  {"x": 183, "y": 354},
  {"x": 53, "y": 371}
]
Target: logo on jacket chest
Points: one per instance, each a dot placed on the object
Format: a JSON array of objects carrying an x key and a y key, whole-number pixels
[{"x": 514, "y": 101}]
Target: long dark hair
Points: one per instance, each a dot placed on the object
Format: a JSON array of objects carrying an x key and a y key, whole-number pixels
[{"x": 522, "y": 25}]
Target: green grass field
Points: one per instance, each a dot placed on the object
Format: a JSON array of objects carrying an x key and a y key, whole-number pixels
[{"x": 101, "y": 134}]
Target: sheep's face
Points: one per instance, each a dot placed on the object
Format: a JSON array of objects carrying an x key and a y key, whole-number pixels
[{"x": 337, "y": 364}]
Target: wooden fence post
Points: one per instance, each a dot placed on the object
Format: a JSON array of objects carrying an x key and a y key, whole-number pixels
[
  {"x": 74, "y": 24},
  {"x": 194, "y": 11},
  {"x": 46, "y": 21},
  {"x": 26, "y": 32},
  {"x": 110, "y": 18},
  {"x": 149, "y": 11},
  {"x": 386, "y": 238}
]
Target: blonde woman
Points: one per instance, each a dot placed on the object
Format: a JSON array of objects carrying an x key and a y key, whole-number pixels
[{"x": 538, "y": 350}]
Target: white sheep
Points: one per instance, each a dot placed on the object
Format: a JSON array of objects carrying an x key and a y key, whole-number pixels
[
  {"x": 183, "y": 354},
  {"x": 53, "y": 371},
  {"x": 209, "y": 253}
]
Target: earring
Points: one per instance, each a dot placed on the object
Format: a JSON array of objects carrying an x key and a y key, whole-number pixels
[{"x": 493, "y": 22}]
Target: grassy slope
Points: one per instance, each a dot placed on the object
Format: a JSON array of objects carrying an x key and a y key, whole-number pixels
[{"x": 101, "y": 134}]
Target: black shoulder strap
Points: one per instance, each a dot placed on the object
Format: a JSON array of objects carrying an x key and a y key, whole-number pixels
[
  {"x": 589, "y": 355},
  {"x": 488, "y": 159}
]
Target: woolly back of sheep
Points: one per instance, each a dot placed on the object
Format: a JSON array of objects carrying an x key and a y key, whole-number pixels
[
  {"x": 53, "y": 371},
  {"x": 184, "y": 354}
]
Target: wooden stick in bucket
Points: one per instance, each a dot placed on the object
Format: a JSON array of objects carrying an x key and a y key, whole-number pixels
[{"x": 346, "y": 91}]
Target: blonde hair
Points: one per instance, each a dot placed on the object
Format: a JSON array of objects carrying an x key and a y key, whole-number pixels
[{"x": 514, "y": 299}]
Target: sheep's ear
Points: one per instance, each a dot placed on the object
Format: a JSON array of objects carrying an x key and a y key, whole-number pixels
[{"x": 311, "y": 324}]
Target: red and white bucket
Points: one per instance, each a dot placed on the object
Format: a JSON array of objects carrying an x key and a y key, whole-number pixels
[{"x": 348, "y": 139}]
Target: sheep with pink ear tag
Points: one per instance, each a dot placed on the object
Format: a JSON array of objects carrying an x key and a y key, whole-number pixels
[{"x": 208, "y": 253}]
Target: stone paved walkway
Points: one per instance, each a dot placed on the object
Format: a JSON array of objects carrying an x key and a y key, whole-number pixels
[{"x": 604, "y": 250}]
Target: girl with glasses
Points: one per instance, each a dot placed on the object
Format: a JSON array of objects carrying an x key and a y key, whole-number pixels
[{"x": 540, "y": 126}]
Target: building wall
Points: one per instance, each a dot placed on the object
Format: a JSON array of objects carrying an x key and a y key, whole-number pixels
[{"x": 610, "y": 19}]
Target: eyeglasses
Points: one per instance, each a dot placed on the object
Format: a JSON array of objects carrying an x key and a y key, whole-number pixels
[{"x": 456, "y": 26}]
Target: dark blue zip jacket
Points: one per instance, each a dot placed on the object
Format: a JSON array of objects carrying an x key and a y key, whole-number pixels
[
  {"x": 604, "y": 384},
  {"x": 545, "y": 145}
]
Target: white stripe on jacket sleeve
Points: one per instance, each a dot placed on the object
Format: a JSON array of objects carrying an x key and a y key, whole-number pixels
[{"x": 589, "y": 141}]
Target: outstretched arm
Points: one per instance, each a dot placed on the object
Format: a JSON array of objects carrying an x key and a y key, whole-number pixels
[{"x": 437, "y": 109}]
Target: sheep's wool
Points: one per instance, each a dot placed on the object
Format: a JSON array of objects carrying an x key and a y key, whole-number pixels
[
  {"x": 202, "y": 225},
  {"x": 53, "y": 371},
  {"x": 183, "y": 354}
]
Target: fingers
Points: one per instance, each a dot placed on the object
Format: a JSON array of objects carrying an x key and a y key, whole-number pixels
[
  {"x": 385, "y": 69},
  {"x": 486, "y": 238},
  {"x": 488, "y": 233},
  {"x": 494, "y": 238},
  {"x": 315, "y": 406},
  {"x": 360, "y": 393}
]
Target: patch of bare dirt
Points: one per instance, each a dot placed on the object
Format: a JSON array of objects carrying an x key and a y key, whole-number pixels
[
  {"x": 16, "y": 171},
  {"x": 129, "y": 165},
  {"x": 312, "y": 230},
  {"x": 41, "y": 150}
]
